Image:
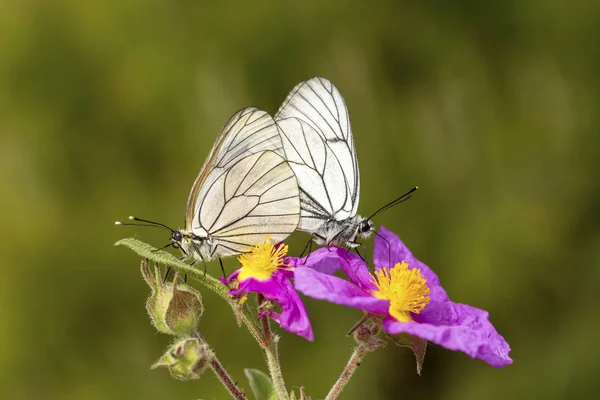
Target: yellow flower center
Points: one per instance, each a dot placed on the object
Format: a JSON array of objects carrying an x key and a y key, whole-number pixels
[
  {"x": 260, "y": 262},
  {"x": 406, "y": 289}
]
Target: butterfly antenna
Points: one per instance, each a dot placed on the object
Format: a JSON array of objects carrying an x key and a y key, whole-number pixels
[
  {"x": 147, "y": 223},
  {"x": 399, "y": 200}
]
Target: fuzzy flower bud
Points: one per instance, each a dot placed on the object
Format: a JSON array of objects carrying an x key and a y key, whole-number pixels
[
  {"x": 175, "y": 308},
  {"x": 186, "y": 359}
]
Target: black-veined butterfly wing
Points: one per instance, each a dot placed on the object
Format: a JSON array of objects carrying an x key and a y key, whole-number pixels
[
  {"x": 244, "y": 190},
  {"x": 317, "y": 141}
]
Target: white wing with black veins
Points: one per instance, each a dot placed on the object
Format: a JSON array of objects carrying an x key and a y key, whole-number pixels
[
  {"x": 317, "y": 142},
  {"x": 245, "y": 190}
]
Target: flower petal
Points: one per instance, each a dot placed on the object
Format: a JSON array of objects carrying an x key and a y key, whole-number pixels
[
  {"x": 230, "y": 278},
  {"x": 457, "y": 327},
  {"x": 357, "y": 271},
  {"x": 397, "y": 252},
  {"x": 325, "y": 260},
  {"x": 336, "y": 290},
  {"x": 293, "y": 316},
  {"x": 269, "y": 288}
]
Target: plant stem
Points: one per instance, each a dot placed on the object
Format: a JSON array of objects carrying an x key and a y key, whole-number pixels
[
  {"x": 269, "y": 345},
  {"x": 357, "y": 325},
  {"x": 222, "y": 374},
  {"x": 275, "y": 370},
  {"x": 359, "y": 352},
  {"x": 226, "y": 380}
]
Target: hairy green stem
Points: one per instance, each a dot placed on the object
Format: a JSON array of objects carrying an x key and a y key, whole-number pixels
[
  {"x": 222, "y": 374},
  {"x": 272, "y": 354},
  {"x": 357, "y": 355},
  {"x": 226, "y": 380}
]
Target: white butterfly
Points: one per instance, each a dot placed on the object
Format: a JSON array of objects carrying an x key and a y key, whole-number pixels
[
  {"x": 244, "y": 192},
  {"x": 318, "y": 144}
]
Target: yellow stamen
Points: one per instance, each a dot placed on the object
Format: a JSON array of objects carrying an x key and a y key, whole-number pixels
[
  {"x": 406, "y": 289},
  {"x": 262, "y": 261}
]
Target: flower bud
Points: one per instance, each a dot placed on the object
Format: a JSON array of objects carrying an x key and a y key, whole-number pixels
[
  {"x": 186, "y": 359},
  {"x": 174, "y": 309}
]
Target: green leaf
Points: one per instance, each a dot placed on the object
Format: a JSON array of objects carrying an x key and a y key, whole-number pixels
[
  {"x": 415, "y": 343},
  {"x": 261, "y": 385},
  {"x": 165, "y": 258}
]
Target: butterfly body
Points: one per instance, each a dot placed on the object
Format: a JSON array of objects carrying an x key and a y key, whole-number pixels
[{"x": 345, "y": 232}]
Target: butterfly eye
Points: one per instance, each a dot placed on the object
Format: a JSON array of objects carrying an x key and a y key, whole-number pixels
[
  {"x": 176, "y": 236},
  {"x": 365, "y": 226}
]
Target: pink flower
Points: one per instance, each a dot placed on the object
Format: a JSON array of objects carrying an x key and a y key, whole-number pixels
[
  {"x": 406, "y": 292},
  {"x": 264, "y": 271}
]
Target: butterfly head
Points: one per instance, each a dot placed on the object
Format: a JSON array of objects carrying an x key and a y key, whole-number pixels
[
  {"x": 365, "y": 228},
  {"x": 177, "y": 239},
  {"x": 192, "y": 245}
]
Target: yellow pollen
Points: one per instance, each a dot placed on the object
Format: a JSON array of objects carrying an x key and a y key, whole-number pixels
[
  {"x": 406, "y": 289},
  {"x": 260, "y": 262}
]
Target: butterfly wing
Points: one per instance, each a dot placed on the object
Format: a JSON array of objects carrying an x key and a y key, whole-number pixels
[
  {"x": 317, "y": 142},
  {"x": 257, "y": 196},
  {"x": 244, "y": 190}
]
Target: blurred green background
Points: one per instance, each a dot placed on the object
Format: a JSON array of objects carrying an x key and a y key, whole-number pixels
[{"x": 109, "y": 108}]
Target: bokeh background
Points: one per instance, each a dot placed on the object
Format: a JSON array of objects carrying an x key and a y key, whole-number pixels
[{"x": 109, "y": 108}]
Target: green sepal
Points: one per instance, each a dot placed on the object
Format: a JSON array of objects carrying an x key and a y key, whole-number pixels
[
  {"x": 186, "y": 359},
  {"x": 416, "y": 344}
]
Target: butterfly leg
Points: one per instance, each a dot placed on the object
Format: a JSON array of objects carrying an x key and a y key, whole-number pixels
[
  {"x": 183, "y": 257},
  {"x": 222, "y": 269},
  {"x": 167, "y": 274},
  {"x": 309, "y": 246},
  {"x": 360, "y": 255},
  {"x": 327, "y": 243},
  {"x": 185, "y": 275},
  {"x": 163, "y": 247}
]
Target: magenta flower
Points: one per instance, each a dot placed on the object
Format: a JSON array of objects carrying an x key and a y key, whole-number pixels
[
  {"x": 263, "y": 270},
  {"x": 406, "y": 293}
]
